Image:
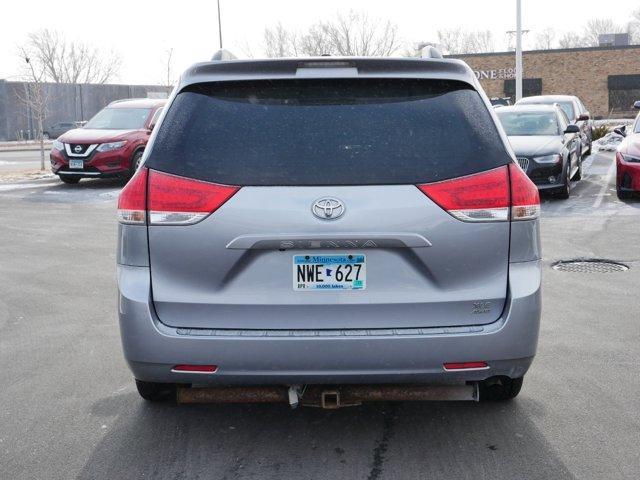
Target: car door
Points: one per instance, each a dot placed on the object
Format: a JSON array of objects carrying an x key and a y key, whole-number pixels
[
  {"x": 583, "y": 124},
  {"x": 572, "y": 143}
]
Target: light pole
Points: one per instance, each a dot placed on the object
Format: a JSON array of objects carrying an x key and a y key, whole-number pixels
[
  {"x": 518, "y": 50},
  {"x": 220, "y": 25}
]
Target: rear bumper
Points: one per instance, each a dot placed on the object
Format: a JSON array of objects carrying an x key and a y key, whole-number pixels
[{"x": 246, "y": 357}]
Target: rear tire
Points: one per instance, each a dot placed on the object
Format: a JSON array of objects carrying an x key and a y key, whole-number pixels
[
  {"x": 69, "y": 180},
  {"x": 156, "y": 392},
  {"x": 500, "y": 389},
  {"x": 135, "y": 161},
  {"x": 578, "y": 176}
]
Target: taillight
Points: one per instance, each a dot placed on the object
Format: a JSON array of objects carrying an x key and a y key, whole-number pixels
[
  {"x": 492, "y": 196},
  {"x": 177, "y": 200},
  {"x": 133, "y": 199},
  {"x": 482, "y": 197},
  {"x": 169, "y": 199},
  {"x": 525, "y": 198}
]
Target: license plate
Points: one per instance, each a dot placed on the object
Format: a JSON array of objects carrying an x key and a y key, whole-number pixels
[
  {"x": 329, "y": 272},
  {"x": 76, "y": 163}
]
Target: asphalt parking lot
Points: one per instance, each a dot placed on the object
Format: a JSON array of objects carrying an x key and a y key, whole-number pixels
[{"x": 69, "y": 409}]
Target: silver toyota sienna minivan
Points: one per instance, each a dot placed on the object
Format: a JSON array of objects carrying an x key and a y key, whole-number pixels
[{"x": 328, "y": 231}]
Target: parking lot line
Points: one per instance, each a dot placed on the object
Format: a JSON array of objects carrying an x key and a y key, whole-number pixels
[{"x": 605, "y": 185}]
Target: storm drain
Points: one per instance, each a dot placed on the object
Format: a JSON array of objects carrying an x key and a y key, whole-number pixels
[{"x": 589, "y": 266}]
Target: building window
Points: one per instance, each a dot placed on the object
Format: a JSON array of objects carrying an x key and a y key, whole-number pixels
[
  {"x": 624, "y": 90},
  {"x": 530, "y": 87}
]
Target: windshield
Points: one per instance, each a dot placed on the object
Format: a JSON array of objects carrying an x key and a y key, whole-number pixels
[
  {"x": 529, "y": 123},
  {"x": 328, "y": 132},
  {"x": 119, "y": 119}
]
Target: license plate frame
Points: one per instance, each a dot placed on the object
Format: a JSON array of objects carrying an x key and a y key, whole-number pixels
[
  {"x": 76, "y": 164},
  {"x": 329, "y": 272}
]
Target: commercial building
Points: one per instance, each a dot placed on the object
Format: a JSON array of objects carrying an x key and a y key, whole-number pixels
[{"x": 606, "y": 78}]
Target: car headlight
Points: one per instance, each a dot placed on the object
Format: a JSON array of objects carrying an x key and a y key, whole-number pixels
[
  {"x": 57, "y": 145},
  {"x": 108, "y": 147},
  {"x": 630, "y": 158},
  {"x": 555, "y": 158}
]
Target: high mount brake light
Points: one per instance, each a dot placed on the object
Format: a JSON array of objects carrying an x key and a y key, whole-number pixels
[
  {"x": 169, "y": 199},
  {"x": 491, "y": 196}
]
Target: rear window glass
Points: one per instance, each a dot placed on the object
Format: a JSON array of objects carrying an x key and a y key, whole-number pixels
[{"x": 327, "y": 132}]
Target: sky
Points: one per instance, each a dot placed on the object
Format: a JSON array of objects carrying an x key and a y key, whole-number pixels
[{"x": 141, "y": 32}]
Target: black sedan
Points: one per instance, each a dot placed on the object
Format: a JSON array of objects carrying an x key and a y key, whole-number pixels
[{"x": 547, "y": 146}]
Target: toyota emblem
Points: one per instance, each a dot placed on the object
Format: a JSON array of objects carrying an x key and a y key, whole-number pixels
[{"x": 328, "y": 208}]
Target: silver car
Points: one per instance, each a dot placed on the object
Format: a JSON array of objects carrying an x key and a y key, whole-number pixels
[{"x": 329, "y": 231}]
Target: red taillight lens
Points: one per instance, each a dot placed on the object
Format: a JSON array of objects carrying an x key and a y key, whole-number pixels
[
  {"x": 487, "y": 196},
  {"x": 133, "y": 198},
  {"x": 195, "y": 368},
  {"x": 525, "y": 198},
  {"x": 482, "y": 197},
  {"x": 177, "y": 200},
  {"x": 466, "y": 366}
]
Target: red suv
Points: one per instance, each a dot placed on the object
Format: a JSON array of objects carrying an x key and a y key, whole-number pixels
[{"x": 108, "y": 145}]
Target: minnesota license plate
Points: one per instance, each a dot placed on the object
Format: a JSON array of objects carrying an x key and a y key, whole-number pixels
[
  {"x": 76, "y": 164},
  {"x": 329, "y": 272}
]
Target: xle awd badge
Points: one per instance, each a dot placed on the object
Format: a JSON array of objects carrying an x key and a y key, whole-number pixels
[
  {"x": 328, "y": 208},
  {"x": 481, "y": 307}
]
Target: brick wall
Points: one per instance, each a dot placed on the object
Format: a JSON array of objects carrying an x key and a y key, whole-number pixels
[{"x": 582, "y": 72}]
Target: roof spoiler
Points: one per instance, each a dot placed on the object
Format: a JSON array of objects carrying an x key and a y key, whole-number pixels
[{"x": 222, "y": 55}]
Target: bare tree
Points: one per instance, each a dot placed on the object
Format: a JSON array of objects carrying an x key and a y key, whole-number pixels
[
  {"x": 169, "y": 77},
  {"x": 33, "y": 94},
  {"x": 280, "y": 42},
  {"x": 633, "y": 27},
  {"x": 598, "y": 26},
  {"x": 65, "y": 61},
  {"x": 545, "y": 39},
  {"x": 351, "y": 34},
  {"x": 572, "y": 40},
  {"x": 457, "y": 41}
]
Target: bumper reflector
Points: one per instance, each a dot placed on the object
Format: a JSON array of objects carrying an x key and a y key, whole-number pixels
[
  {"x": 195, "y": 368},
  {"x": 466, "y": 366}
]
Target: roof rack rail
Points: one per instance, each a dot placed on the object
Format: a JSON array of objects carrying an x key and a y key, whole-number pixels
[{"x": 222, "y": 55}]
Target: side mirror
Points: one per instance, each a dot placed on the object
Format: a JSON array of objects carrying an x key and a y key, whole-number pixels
[
  {"x": 636, "y": 104},
  {"x": 584, "y": 117},
  {"x": 622, "y": 131},
  {"x": 151, "y": 127},
  {"x": 572, "y": 129}
]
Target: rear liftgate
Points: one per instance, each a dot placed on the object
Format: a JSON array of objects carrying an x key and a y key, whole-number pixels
[{"x": 328, "y": 397}]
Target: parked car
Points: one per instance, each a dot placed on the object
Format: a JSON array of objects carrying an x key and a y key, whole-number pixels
[
  {"x": 311, "y": 225},
  {"x": 500, "y": 101},
  {"x": 628, "y": 159},
  {"x": 108, "y": 145},
  {"x": 57, "y": 129},
  {"x": 546, "y": 144},
  {"x": 576, "y": 113}
]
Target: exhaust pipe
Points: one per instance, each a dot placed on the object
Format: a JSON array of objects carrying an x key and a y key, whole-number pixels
[{"x": 329, "y": 398}]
